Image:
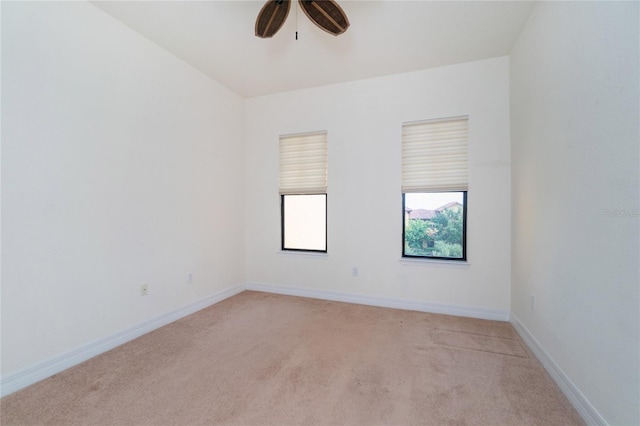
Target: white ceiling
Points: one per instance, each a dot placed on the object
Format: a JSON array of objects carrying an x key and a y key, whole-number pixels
[{"x": 385, "y": 37}]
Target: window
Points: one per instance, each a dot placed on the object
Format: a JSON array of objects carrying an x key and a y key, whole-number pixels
[
  {"x": 303, "y": 191},
  {"x": 434, "y": 189}
]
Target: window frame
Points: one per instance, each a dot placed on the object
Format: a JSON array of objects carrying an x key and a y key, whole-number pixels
[
  {"x": 282, "y": 225},
  {"x": 464, "y": 231},
  {"x": 303, "y": 170},
  {"x": 435, "y": 159}
]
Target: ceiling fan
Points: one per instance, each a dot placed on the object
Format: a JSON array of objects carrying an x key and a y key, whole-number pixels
[{"x": 326, "y": 14}]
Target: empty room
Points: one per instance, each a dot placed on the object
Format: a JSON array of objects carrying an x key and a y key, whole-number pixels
[{"x": 320, "y": 212}]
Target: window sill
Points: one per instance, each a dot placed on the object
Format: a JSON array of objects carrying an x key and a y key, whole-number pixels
[
  {"x": 463, "y": 264},
  {"x": 303, "y": 254}
]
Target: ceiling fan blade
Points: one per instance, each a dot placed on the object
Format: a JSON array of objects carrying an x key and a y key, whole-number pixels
[
  {"x": 326, "y": 14},
  {"x": 271, "y": 17}
]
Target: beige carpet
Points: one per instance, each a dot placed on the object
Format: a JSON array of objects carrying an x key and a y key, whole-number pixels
[{"x": 259, "y": 358}]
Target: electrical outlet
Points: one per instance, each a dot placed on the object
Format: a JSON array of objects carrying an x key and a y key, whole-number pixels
[
  {"x": 533, "y": 303},
  {"x": 144, "y": 289},
  {"x": 354, "y": 271}
]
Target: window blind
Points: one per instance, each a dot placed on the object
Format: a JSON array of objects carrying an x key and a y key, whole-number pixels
[
  {"x": 303, "y": 164},
  {"x": 434, "y": 155}
]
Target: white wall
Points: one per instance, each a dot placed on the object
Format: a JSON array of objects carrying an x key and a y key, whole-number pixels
[
  {"x": 363, "y": 120},
  {"x": 575, "y": 138},
  {"x": 121, "y": 165}
]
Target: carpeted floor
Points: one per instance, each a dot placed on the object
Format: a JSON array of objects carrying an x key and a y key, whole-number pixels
[{"x": 264, "y": 359}]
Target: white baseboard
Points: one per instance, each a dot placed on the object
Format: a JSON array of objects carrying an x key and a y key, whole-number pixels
[
  {"x": 582, "y": 405},
  {"x": 42, "y": 370},
  {"x": 410, "y": 305},
  {"x": 48, "y": 368}
]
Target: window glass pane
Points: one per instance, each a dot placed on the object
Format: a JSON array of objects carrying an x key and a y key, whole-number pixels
[
  {"x": 304, "y": 222},
  {"x": 434, "y": 225}
]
